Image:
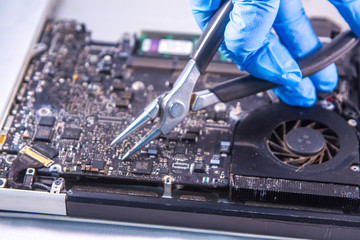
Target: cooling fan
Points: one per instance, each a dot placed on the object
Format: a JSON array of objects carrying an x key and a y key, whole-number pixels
[
  {"x": 295, "y": 154},
  {"x": 301, "y": 143}
]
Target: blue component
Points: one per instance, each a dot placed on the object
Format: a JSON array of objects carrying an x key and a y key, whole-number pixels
[
  {"x": 152, "y": 150},
  {"x": 225, "y": 146},
  {"x": 215, "y": 160}
]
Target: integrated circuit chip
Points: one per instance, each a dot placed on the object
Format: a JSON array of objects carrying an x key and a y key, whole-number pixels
[
  {"x": 180, "y": 149},
  {"x": 141, "y": 167},
  {"x": 71, "y": 133},
  {"x": 191, "y": 137},
  {"x": 47, "y": 121},
  {"x": 98, "y": 164},
  {"x": 173, "y": 136},
  {"x": 43, "y": 134},
  {"x": 195, "y": 130},
  {"x": 199, "y": 167}
]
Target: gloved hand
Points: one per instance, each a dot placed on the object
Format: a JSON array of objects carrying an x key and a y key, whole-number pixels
[{"x": 250, "y": 44}]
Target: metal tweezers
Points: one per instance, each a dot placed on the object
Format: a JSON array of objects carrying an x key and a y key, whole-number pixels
[{"x": 172, "y": 107}]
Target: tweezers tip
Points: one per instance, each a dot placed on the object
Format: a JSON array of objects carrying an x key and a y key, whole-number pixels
[{"x": 125, "y": 156}]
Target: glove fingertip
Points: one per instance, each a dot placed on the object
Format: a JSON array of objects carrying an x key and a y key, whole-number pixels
[
  {"x": 326, "y": 79},
  {"x": 304, "y": 95}
]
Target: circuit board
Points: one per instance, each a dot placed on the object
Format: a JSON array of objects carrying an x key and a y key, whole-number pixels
[{"x": 79, "y": 94}]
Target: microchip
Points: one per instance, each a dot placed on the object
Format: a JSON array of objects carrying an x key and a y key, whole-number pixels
[
  {"x": 195, "y": 130},
  {"x": 191, "y": 137},
  {"x": 141, "y": 167},
  {"x": 118, "y": 85},
  {"x": 173, "y": 137},
  {"x": 180, "y": 149},
  {"x": 98, "y": 164},
  {"x": 71, "y": 133},
  {"x": 127, "y": 95},
  {"x": 47, "y": 121},
  {"x": 45, "y": 149},
  {"x": 199, "y": 167},
  {"x": 43, "y": 134},
  {"x": 122, "y": 103},
  {"x": 225, "y": 146}
]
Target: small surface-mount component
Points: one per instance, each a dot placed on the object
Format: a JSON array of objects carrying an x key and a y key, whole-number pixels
[
  {"x": 152, "y": 150},
  {"x": 104, "y": 66},
  {"x": 97, "y": 79},
  {"x": 127, "y": 95},
  {"x": 141, "y": 167},
  {"x": 85, "y": 79},
  {"x": 122, "y": 103},
  {"x": 43, "y": 134},
  {"x": 215, "y": 160},
  {"x": 71, "y": 133},
  {"x": 47, "y": 121},
  {"x": 118, "y": 85},
  {"x": 225, "y": 147},
  {"x": 2, "y": 139}
]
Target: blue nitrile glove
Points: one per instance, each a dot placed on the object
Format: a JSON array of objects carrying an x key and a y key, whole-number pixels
[{"x": 250, "y": 44}]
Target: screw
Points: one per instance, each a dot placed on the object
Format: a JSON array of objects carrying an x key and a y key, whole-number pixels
[
  {"x": 327, "y": 105},
  {"x": 352, "y": 122},
  {"x": 176, "y": 109},
  {"x": 355, "y": 168},
  {"x": 57, "y": 182}
]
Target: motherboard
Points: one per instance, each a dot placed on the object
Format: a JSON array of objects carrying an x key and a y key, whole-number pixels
[{"x": 78, "y": 94}]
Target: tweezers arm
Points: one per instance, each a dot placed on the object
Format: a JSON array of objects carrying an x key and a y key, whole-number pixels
[
  {"x": 212, "y": 37},
  {"x": 245, "y": 86}
]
